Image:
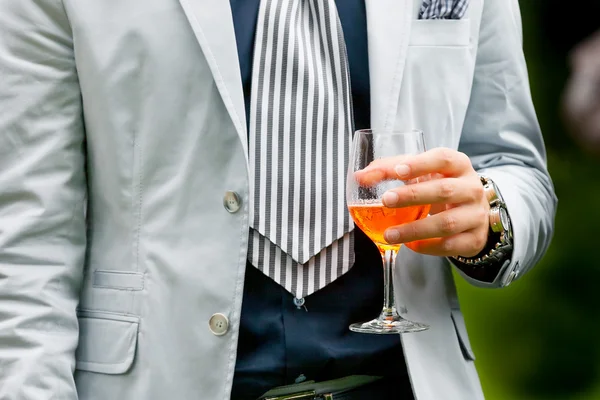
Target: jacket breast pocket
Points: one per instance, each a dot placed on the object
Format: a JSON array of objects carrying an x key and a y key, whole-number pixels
[
  {"x": 437, "y": 80},
  {"x": 107, "y": 342}
]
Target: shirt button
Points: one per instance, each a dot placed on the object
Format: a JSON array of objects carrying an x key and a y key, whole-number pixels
[
  {"x": 218, "y": 324},
  {"x": 232, "y": 201}
]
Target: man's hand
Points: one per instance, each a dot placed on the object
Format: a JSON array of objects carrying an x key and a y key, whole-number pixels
[
  {"x": 458, "y": 225},
  {"x": 582, "y": 94}
]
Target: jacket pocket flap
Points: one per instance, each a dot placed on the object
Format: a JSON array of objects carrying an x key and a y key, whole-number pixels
[
  {"x": 107, "y": 342},
  {"x": 461, "y": 332}
]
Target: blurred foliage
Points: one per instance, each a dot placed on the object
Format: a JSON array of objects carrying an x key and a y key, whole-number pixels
[{"x": 540, "y": 337}]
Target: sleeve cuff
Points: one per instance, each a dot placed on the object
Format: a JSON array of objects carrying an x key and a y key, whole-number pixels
[{"x": 498, "y": 276}]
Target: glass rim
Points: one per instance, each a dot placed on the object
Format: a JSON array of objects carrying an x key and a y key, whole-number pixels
[{"x": 383, "y": 132}]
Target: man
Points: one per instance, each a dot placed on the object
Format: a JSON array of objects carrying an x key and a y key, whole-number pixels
[{"x": 161, "y": 201}]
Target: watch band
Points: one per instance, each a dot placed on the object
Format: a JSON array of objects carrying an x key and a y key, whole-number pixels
[{"x": 495, "y": 254}]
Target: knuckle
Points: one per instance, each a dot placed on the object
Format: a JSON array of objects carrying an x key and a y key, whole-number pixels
[
  {"x": 411, "y": 232},
  {"x": 447, "y": 246},
  {"x": 475, "y": 245},
  {"x": 446, "y": 190},
  {"x": 412, "y": 194},
  {"x": 447, "y": 156},
  {"x": 448, "y": 224}
]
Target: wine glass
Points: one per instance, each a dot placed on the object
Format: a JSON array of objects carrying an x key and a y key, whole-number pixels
[{"x": 364, "y": 190}]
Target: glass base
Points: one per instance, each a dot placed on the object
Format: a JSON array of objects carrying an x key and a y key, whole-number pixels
[{"x": 388, "y": 324}]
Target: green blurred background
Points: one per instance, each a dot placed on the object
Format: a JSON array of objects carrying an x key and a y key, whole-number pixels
[{"x": 540, "y": 337}]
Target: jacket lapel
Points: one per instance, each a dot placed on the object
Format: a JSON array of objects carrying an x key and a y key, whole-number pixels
[
  {"x": 388, "y": 27},
  {"x": 212, "y": 24}
]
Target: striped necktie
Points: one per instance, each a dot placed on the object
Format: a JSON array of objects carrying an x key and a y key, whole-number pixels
[{"x": 301, "y": 126}]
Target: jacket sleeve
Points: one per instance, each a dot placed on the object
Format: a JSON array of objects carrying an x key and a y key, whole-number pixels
[
  {"x": 502, "y": 137},
  {"x": 42, "y": 197}
]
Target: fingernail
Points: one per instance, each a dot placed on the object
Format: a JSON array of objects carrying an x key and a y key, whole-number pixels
[
  {"x": 392, "y": 236},
  {"x": 402, "y": 170},
  {"x": 390, "y": 199}
]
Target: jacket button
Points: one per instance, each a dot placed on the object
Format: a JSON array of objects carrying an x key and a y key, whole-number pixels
[
  {"x": 511, "y": 277},
  {"x": 218, "y": 324},
  {"x": 232, "y": 201}
]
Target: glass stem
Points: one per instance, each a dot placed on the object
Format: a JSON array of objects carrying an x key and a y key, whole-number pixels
[{"x": 389, "y": 305}]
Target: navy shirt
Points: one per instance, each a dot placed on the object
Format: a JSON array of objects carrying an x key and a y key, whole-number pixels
[{"x": 280, "y": 343}]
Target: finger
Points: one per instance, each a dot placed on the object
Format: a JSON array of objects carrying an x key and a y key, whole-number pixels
[
  {"x": 380, "y": 170},
  {"x": 443, "y": 161},
  {"x": 439, "y": 191},
  {"x": 465, "y": 244},
  {"x": 446, "y": 223}
]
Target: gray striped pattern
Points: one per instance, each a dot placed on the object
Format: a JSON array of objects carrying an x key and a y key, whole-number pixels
[
  {"x": 301, "y": 127},
  {"x": 443, "y": 9}
]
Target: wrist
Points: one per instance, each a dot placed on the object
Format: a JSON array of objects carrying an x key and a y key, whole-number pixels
[{"x": 498, "y": 248}]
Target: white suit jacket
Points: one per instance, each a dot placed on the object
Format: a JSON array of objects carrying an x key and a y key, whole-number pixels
[{"x": 122, "y": 128}]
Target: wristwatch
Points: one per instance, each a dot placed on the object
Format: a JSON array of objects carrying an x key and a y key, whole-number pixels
[{"x": 500, "y": 239}]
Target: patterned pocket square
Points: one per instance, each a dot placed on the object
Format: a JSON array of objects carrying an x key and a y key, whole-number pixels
[{"x": 443, "y": 9}]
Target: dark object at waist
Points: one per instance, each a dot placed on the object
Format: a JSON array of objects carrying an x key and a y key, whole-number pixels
[{"x": 356, "y": 387}]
